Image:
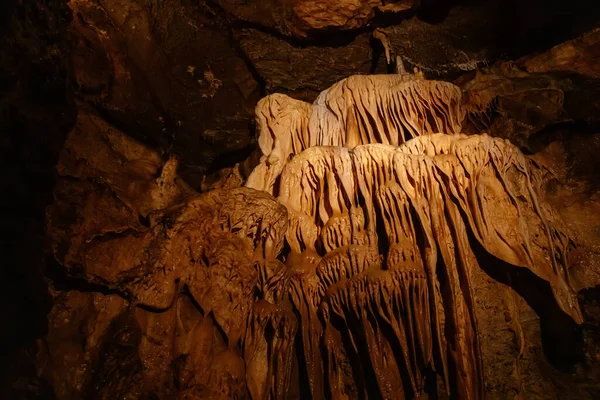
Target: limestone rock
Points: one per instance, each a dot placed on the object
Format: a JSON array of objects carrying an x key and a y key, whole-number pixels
[
  {"x": 578, "y": 55},
  {"x": 387, "y": 109},
  {"x": 191, "y": 266},
  {"x": 304, "y": 17}
]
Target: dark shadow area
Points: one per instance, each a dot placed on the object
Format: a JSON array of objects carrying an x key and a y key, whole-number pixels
[
  {"x": 567, "y": 130},
  {"x": 526, "y": 25},
  {"x": 161, "y": 141},
  {"x": 305, "y": 392},
  {"x": 435, "y": 11},
  {"x": 562, "y": 339},
  {"x": 353, "y": 359},
  {"x": 62, "y": 280},
  {"x": 589, "y": 300},
  {"x": 118, "y": 366},
  {"x": 230, "y": 159},
  {"x": 36, "y": 112},
  {"x": 581, "y": 144}
]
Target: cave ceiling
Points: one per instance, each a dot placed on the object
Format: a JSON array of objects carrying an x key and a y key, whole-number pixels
[{"x": 185, "y": 76}]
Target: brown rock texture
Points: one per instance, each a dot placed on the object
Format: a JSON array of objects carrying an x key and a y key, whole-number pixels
[
  {"x": 195, "y": 270},
  {"x": 579, "y": 55},
  {"x": 509, "y": 102},
  {"x": 289, "y": 69},
  {"x": 302, "y": 17},
  {"x": 165, "y": 72}
]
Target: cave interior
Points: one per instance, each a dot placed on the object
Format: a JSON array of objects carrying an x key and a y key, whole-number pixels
[{"x": 300, "y": 199}]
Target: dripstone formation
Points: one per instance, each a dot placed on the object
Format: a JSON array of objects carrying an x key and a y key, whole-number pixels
[{"x": 350, "y": 264}]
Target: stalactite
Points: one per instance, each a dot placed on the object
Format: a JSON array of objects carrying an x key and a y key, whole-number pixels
[
  {"x": 388, "y": 109},
  {"x": 269, "y": 351},
  {"x": 388, "y": 228}
]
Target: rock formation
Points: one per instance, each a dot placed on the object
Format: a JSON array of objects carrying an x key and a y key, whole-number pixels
[
  {"x": 388, "y": 109},
  {"x": 380, "y": 234},
  {"x": 360, "y": 280},
  {"x": 190, "y": 266}
]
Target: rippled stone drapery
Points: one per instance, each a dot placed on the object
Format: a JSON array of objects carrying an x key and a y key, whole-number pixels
[
  {"x": 387, "y": 230},
  {"x": 388, "y": 109},
  {"x": 380, "y": 235},
  {"x": 354, "y": 283}
]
